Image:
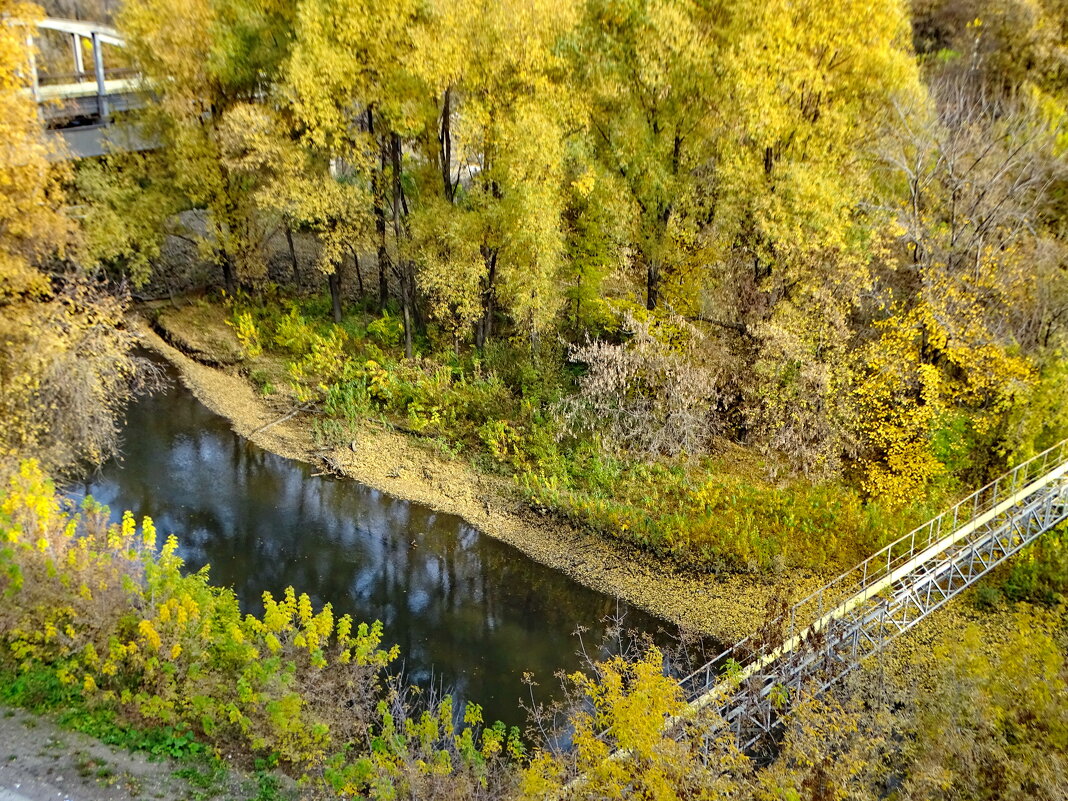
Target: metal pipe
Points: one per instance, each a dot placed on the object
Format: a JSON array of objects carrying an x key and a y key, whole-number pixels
[{"x": 35, "y": 81}]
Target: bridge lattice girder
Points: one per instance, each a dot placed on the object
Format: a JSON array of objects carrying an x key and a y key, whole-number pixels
[{"x": 863, "y": 610}]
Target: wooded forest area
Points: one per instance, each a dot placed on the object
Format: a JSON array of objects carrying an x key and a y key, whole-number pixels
[
  {"x": 829, "y": 234},
  {"x": 749, "y": 287}
]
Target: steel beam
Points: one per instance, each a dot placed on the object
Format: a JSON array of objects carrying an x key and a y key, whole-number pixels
[{"x": 98, "y": 66}]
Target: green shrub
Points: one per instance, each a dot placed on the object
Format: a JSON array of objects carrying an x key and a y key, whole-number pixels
[
  {"x": 96, "y": 621},
  {"x": 705, "y": 517},
  {"x": 1040, "y": 575},
  {"x": 248, "y": 334},
  {"x": 294, "y": 335},
  {"x": 503, "y": 406},
  {"x": 386, "y": 330}
]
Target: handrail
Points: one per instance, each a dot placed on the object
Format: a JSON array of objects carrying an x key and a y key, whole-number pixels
[
  {"x": 74, "y": 78},
  {"x": 870, "y": 576},
  {"x": 105, "y": 34}
]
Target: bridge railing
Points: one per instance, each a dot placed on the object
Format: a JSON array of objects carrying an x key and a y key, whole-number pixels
[
  {"x": 64, "y": 78},
  {"x": 934, "y": 535}
]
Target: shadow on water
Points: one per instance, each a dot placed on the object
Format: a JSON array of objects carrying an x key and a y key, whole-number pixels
[{"x": 470, "y": 613}]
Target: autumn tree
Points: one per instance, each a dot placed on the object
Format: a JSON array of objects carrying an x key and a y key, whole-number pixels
[
  {"x": 450, "y": 114},
  {"x": 199, "y": 61},
  {"x": 655, "y": 87},
  {"x": 127, "y": 210},
  {"x": 797, "y": 226},
  {"x": 349, "y": 84},
  {"x": 598, "y": 227},
  {"x": 972, "y": 301},
  {"x": 743, "y": 136},
  {"x": 1015, "y": 46},
  {"x": 500, "y": 127},
  {"x": 301, "y": 186},
  {"x": 65, "y": 364}
]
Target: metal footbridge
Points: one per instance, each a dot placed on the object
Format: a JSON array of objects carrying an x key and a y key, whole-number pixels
[
  {"x": 78, "y": 105},
  {"x": 823, "y": 637}
]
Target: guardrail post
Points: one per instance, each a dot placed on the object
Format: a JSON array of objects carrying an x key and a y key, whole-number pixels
[
  {"x": 79, "y": 57},
  {"x": 101, "y": 90},
  {"x": 35, "y": 81}
]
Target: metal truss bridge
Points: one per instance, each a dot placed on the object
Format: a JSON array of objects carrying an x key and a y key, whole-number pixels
[{"x": 823, "y": 637}]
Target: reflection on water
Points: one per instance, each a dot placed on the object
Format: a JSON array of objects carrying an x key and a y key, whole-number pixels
[{"x": 468, "y": 611}]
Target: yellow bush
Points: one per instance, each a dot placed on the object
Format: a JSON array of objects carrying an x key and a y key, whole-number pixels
[
  {"x": 98, "y": 605},
  {"x": 247, "y": 333},
  {"x": 623, "y": 747}
]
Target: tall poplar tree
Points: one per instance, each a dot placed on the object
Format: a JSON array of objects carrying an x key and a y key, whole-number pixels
[
  {"x": 503, "y": 111},
  {"x": 351, "y": 90},
  {"x": 450, "y": 111},
  {"x": 654, "y": 78},
  {"x": 804, "y": 221}
]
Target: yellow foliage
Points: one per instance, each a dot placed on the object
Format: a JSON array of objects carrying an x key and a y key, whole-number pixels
[
  {"x": 904, "y": 396},
  {"x": 247, "y": 334},
  {"x": 623, "y": 748},
  {"x": 63, "y": 356},
  {"x": 191, "y": 644}
]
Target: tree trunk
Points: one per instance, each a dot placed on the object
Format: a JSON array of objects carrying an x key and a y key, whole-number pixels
[
  {"x": 359, "y": 273},
  {"x": 383, "y": 271},
  {"x": 652, "y": 285},
  {"x": 293, "y": 255},
  {"x": 407, "y": 330},
  {"x": 446, "y": 145},
  {"x": 578, "y": 299},
  {"x": 228, "y": 274},
  {"x": 484, "y": 327},
  {"x": 378, "y": 191},
  {"x": 334, "y": 280},
  {"x": 403, "y": 269}
]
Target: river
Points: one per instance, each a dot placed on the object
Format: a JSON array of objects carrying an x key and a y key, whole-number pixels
[{"x": 471, "y": 614}]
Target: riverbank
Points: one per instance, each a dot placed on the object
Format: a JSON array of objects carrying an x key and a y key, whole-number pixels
[
  {"x": 196, "y": 340},
  {"x": 723, "y": 607},
  {"x": 917, "y": 668}
]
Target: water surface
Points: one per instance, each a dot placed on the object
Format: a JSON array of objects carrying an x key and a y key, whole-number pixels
[{"x": 470, "y": 613}]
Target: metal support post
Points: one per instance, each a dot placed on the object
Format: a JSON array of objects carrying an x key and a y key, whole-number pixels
[
  {"x": 101, "y": 89},
  {"x": 79, "y": 57},
  {"x": 35, "y": 81}
]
